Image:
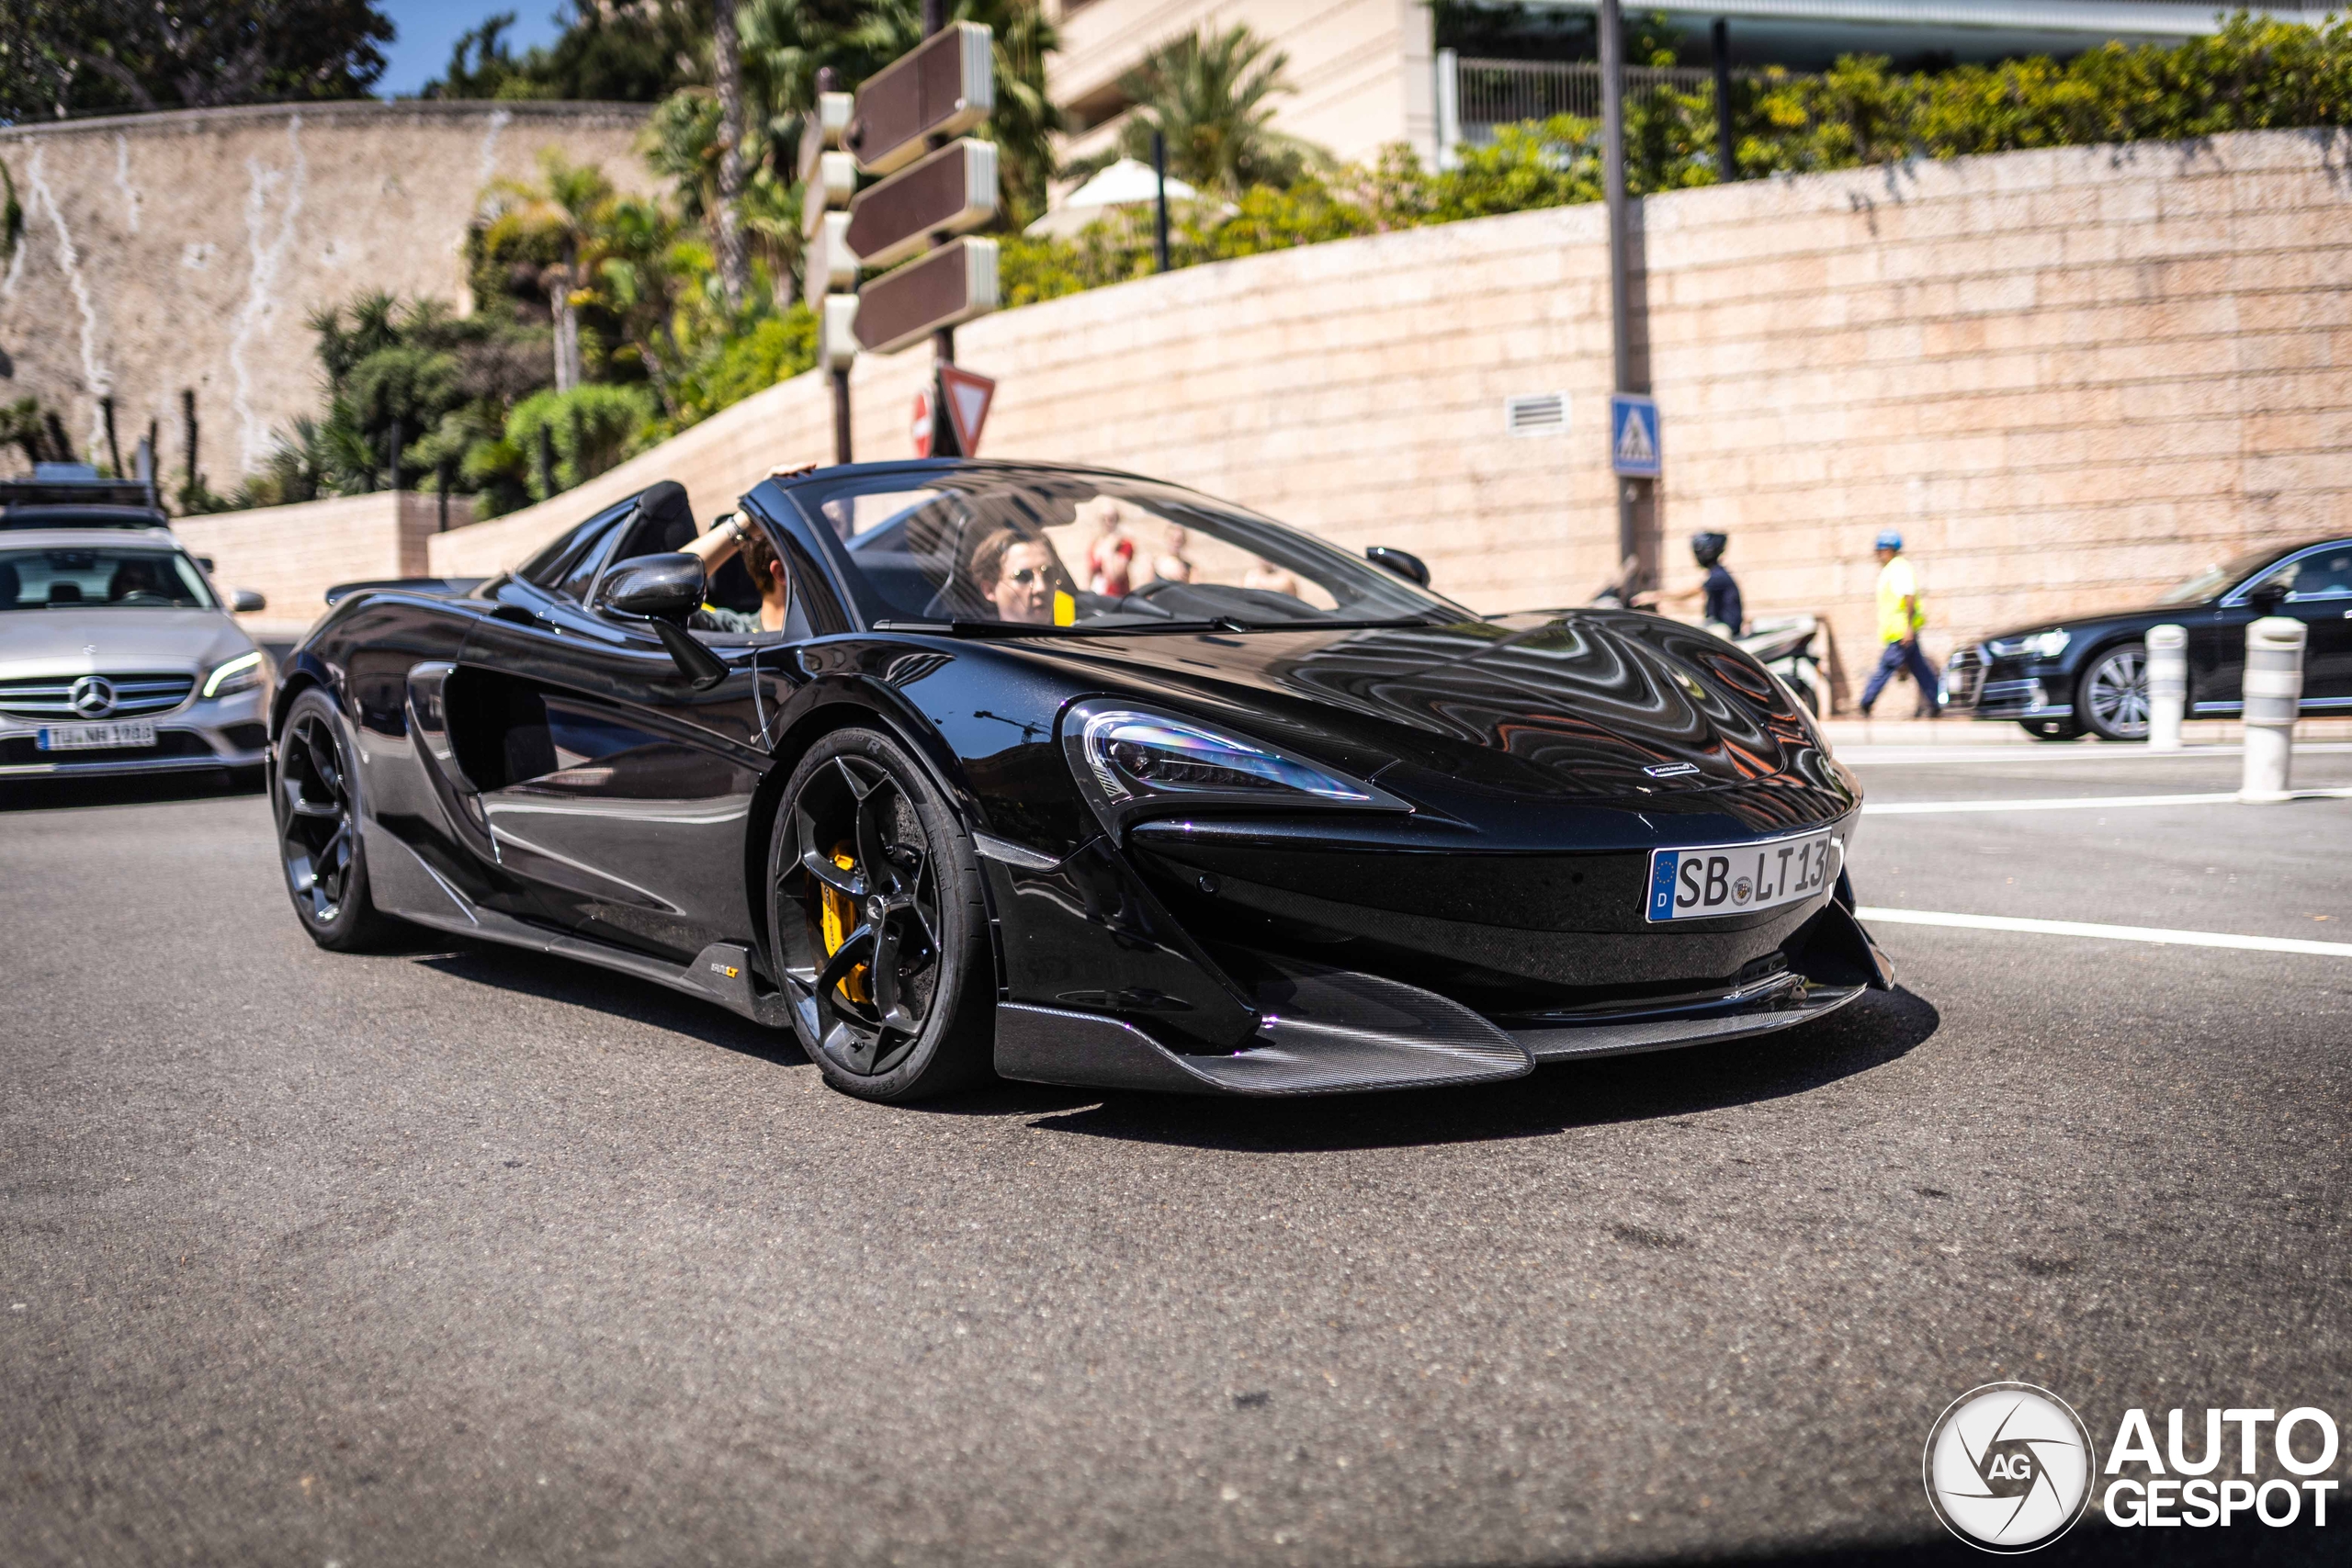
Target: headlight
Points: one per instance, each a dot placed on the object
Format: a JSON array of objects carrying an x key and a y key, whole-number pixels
[
  {"x": 1128, "y": 759},
  {"x": 241, "y": 673},
  {"x": 2040, "y": 645}
]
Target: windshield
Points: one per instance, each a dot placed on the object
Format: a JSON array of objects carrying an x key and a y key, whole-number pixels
[
  {"x": 1086, "y": 553},
  {"x": 2215, "y": 580},
  {"x": 104, "y": 576}
]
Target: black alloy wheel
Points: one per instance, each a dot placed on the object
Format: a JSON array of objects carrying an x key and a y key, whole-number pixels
[
  {"x": 2112, "y": 699},
  {"x": 318, "y": 828},
  {"x": 878, "y": 918}
]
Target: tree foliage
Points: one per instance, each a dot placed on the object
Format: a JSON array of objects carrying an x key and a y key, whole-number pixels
[
  {"x": 68, "y": 57},
  {"x": 1212, "y": 95}
]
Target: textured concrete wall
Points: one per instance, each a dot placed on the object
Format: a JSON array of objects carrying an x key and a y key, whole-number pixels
[
  {"x": 189, "y": 250},
  {"x": 2069, "y": 377}
]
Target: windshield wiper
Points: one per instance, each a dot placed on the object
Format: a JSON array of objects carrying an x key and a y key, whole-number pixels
[{"x": 1218, "y": 624}]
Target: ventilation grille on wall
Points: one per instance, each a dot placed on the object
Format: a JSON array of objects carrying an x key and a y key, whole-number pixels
[{"x": 1536, "y": 413}]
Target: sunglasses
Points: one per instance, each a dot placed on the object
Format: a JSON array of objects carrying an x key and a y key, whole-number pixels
[{"x": 1029, "y": 576}]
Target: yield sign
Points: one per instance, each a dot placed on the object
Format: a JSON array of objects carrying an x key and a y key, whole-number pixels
[{"x": 968, "y": 404}]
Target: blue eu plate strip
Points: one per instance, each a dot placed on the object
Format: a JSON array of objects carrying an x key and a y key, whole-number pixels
[{"x": 1662, "y": 865}]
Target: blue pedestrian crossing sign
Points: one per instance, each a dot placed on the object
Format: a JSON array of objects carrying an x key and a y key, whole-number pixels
[{"x": 1632, "y": 436}]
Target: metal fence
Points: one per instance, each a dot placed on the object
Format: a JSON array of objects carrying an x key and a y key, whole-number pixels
[{"x": 1501, "y": 92}]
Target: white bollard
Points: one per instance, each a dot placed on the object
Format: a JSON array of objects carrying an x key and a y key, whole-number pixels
[
  {"x": 2274, "y": 692},
  {"x": 2167, "y": 685}
]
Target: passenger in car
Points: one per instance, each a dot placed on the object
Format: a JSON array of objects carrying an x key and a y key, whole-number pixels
[{"x": 735, "y": 534}]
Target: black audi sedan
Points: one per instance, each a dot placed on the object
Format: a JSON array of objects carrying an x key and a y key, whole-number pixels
[
  {"x": 1255, "y": 816},
  {"x": 2060, "y": 679}
]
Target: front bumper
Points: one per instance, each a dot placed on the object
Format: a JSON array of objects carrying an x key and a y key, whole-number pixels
[
  {"x": 201, "y": 734},
  {"x": 1327, "y": 1031},
  {"x": 2007, "y": 689}
]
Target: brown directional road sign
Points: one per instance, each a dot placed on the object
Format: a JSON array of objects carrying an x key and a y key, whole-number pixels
[
  {"x": 944, "y": 86},
  {"x": 952, "y": 283},
  {"x": 951, "y": 192}
]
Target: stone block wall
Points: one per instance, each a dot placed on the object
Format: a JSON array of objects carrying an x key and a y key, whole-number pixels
[
  {"x": 189, "y": 250},
  {"x": 2069, "y": 377},
  {"x": 291, "y": 555}
]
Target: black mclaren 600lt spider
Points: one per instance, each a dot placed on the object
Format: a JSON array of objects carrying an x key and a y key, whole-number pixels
[{"x": 1075, "y": 777}]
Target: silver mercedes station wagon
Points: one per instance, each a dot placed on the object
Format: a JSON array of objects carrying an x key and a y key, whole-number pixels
[{"x": 117, "y": 656}]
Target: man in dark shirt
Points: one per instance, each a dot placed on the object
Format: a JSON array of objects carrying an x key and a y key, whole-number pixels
[{"x": 1718, "y": 595}]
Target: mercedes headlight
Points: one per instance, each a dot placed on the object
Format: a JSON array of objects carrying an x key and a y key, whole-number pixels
[
  {"x": 2040, "y": 645},
  {"x": 1129, "y": 759},
  {"x": 241, "y": 673}
]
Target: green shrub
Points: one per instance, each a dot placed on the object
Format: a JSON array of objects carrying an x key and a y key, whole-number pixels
[{"x": 592, "y": 428}]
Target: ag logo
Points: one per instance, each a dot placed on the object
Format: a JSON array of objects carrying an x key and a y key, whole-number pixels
[{"x": 2008, "y": 1467}]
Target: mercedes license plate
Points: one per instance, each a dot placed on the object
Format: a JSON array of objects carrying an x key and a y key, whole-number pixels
[
  {"x": 91, "y": 737},
  {"x": 1737, "y": 879}
]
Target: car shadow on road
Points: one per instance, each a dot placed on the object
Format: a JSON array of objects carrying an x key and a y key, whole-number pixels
[
  {"x": 551, "y": 978},
  {"x": 1868, "y": 1033},
  {"x": 54, "y": 793}
]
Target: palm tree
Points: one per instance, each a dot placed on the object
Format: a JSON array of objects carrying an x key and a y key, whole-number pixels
[
  {"x": 566, "y": 209},
  {"x": 727, "y": 73},
  {"x": 1211, "y": 94}
]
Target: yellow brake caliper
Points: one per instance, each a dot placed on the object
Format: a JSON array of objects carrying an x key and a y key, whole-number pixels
[{"x": 838, "y": 918}]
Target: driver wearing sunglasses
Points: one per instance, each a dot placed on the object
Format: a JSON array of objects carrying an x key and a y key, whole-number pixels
[{"x": 1017, "y": 576}]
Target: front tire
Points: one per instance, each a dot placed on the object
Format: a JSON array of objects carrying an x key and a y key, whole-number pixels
[
  {"x": 314, "y": 795},
  {"x": 879, "y": 923},
  {"x": 2111, "y": 699}
]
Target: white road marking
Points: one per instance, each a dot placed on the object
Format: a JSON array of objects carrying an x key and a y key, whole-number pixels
[
  {"x": 2077, "y": 803},
  {"x": 2105, "y": 933},
  {"x": 1897, "y": 756}
]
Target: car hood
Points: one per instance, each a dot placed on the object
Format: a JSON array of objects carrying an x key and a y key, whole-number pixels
[
  {"x": 76, "y": 642},
  {"x": 1589, "y": 702}
]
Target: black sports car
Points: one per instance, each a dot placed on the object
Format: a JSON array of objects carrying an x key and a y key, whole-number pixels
[
  {"x": 2059, "y": 679},
  {"x": 1237, "y": 812}
]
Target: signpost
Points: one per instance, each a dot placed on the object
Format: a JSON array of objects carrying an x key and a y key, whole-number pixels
[
  {"x": 942, "y": 88},
  {"x": 903, "y": 123},
  {"x": 1635, "y": 450},
  {"x": 968, "y": 395}
]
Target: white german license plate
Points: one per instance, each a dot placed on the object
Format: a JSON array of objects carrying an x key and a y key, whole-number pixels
[
  {"x": 1734, "y": 879},
  {"x": 91, "y": 737}
]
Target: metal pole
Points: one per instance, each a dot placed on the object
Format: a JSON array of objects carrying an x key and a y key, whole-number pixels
[
  {"x": 1727, "y": 155},
  {"x": 394, "y": 444},
  {"x": 827, "y": 82},
  {"x": 1612, "y": 143},
  {"x": 942, "y": 341},
  {"x": 1159, "y": 179}
]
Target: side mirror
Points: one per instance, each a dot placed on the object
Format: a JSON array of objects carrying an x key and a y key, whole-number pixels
[
  {"x": 654, "y": 587},
  {"x": 664, "y": 589},
  {"x": 206, "y": 562},
  {"x": 1412, "y": 568},
  {"x": 2267, "y": 597},
  {"x": 245, "y": 602}
]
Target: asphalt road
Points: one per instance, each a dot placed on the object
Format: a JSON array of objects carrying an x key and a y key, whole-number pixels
[{"x": 460, "y": 1254}]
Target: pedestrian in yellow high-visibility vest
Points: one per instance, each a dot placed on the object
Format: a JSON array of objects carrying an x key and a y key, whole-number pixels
[{"x": 1900, "y": 614}]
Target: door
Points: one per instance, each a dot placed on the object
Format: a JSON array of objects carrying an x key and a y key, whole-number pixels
[
  {"x": 2321, "y": 597},
  {"x": 618, "y": 793}
]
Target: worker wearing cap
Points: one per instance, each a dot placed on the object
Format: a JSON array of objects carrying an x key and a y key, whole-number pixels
[{"x": 1900, "y": 616}]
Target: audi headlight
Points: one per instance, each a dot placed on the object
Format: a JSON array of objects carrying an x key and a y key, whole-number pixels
[
  {"x": 241, "y": 673},
  {"x": 1129, "y": 759},
  {"x": 2040, "y": 645}
]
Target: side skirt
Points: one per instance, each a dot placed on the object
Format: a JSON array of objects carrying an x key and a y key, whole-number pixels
[{"x": 406, "y": 887}]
